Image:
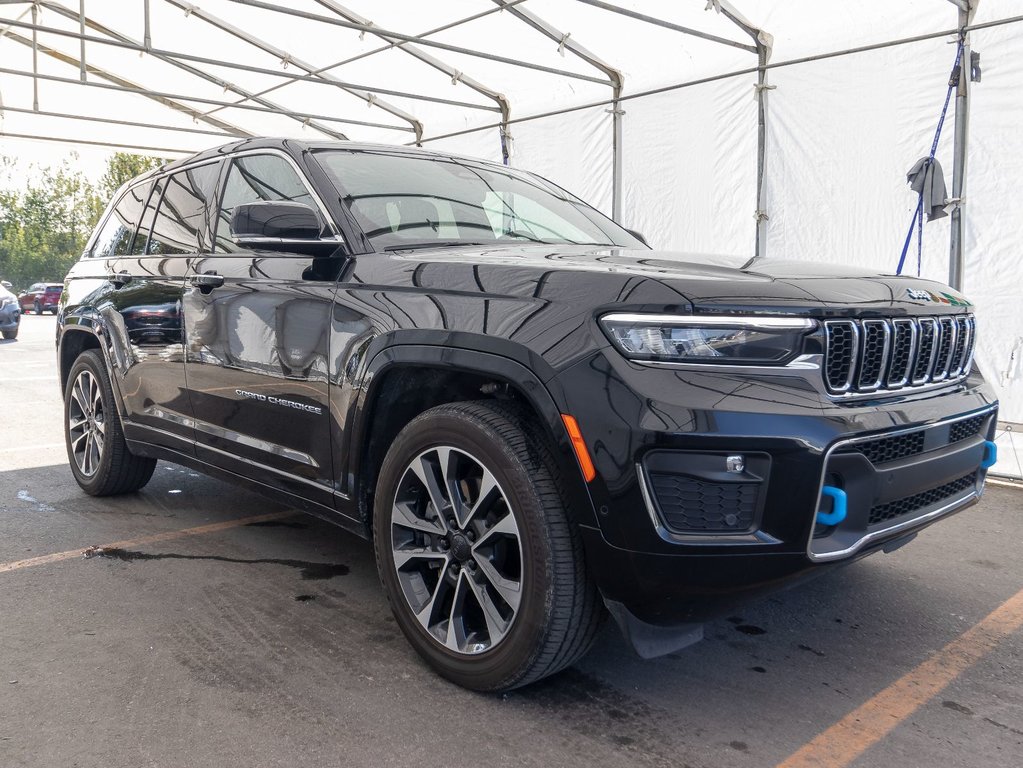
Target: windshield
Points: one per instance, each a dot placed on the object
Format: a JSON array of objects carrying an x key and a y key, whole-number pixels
[{"x": 410, "y": 201}]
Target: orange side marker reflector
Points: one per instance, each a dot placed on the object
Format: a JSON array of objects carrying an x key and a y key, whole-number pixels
[{"x": 579, "y": 446}]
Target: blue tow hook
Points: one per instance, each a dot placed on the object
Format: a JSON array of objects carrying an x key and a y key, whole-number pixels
[
  {"x": 990, "y": 455},
  {"x": 838, "y": 505}
]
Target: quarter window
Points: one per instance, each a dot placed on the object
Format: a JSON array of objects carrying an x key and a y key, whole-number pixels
[
  {"x": 115, "y": 237},
  {"x": 178, "y": 226},
  {"x": 253, "y": 178}
]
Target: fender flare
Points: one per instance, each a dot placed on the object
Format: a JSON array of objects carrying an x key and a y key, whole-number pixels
[{"x": 462, "y": 360}]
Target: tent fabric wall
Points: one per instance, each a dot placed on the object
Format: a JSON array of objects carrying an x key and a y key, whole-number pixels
[
  {"x": 690, "y": 167},
  {"x": 842, "y": 131}
]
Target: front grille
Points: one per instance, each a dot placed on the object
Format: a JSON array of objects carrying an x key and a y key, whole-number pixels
[
  {"x": 886, "y": 449},
  {"x": 691, "y": 505},
  {"x": 889, "y": 354},
  {"x": 965, "y": 428},
  {"x": 882, "y": 513}
]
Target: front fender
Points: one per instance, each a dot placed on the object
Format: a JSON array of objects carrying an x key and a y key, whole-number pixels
[{"x": 541, "y": 398}]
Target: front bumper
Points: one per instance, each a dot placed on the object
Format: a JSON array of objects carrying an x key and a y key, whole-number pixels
[
  {"x": 657, "y": 432},
  {"x": 9, "y": 318}
]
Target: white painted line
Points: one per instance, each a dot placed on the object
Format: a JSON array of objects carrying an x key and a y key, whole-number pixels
[{"x": 27, "y": 448}]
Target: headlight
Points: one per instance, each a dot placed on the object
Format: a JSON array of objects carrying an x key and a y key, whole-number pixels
[{"x": 750, "y": 340}]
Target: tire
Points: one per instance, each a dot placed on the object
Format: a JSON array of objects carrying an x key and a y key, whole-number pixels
[
  {"x": 38, "y": 308},
  {"x": 98, "y": 455},
  {"x": 11, "y": 334},
  {"x": 547, "y": 611}
]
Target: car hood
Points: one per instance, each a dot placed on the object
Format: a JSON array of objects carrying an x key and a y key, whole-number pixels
[{"x": 707, "y": 282}]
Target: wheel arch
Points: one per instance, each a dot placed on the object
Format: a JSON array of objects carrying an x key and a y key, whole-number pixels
[{"x": 410, "y": 379}]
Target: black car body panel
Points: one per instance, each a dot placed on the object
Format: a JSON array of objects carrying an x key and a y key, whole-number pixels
[{"x": 276, "y": 366}]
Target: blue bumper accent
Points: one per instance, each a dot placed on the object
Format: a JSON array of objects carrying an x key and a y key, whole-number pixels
[
  {"x": 838, "y": 506},
  {"x": 990, "y": 455}
]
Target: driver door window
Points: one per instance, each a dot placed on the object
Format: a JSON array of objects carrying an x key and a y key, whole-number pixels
[{"x": 253, "y": 178}]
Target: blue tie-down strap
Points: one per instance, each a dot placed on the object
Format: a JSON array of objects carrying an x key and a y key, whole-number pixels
[
  {"x": 990, "y": 454},
  {"x": 838, "y": 505}
]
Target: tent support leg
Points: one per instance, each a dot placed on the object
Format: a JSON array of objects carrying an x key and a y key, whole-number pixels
[
  {"x": 616, "y": 156},
  {"x": 35, "y": 57},
  {"x": 82, "y": 69},
  {"x": 962, "y": 125},
  {"x": 761, "y": 239}
]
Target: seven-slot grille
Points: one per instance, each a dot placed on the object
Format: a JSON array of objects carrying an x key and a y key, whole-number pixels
[{"x": 886, "y": 354}]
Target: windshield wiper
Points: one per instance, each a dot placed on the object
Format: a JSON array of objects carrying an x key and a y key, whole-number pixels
[{"x": 430, "y": 244}]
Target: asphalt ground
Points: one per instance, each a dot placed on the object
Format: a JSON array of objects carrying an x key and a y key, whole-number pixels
[{"x": 230, "y": 631}]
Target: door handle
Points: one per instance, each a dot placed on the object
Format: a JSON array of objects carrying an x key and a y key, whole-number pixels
[
  {"x": 119, "y": 279},
  {"x": 207, "y": 281}
]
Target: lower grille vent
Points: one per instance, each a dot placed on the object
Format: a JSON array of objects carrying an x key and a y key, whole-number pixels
[{"x": 885, "y": 512}]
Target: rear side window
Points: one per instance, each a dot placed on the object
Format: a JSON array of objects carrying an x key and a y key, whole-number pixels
[
  {"x": 253, "y": 178},
  {"x": 115, "y": 237},
  {"x": 178, "y": 226}
]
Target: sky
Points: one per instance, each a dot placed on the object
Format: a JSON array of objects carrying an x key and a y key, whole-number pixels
[{"x": 92, "y": 161}]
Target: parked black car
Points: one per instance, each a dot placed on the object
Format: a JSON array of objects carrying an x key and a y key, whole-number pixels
[{"x": 532, "y": 414}]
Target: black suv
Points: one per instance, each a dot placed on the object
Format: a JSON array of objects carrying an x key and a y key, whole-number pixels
[{"x": 532, "y": 414}]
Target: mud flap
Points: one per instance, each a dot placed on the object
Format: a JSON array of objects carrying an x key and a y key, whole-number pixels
[{"x": 650, "y": 641}]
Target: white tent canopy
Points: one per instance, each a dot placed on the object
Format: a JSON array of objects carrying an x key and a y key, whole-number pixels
[{"x": 655, "y": 111}]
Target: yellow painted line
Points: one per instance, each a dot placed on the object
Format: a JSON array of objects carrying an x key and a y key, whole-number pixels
[
  {"x": 181, "y": 533},
  {"x": 866, "y": 725}
]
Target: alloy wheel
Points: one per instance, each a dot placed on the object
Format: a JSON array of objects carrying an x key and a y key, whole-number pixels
[
  {"x": 86, "y": 423},
  {"x": 457, "y": 550}
]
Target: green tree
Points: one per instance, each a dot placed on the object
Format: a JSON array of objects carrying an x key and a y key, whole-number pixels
[
  {"x": 122, "y": 167},
  {"x": 45, "y": 223}
]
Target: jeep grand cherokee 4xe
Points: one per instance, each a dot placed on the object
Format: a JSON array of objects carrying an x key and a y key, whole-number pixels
[{"x": 534, "y": 417}]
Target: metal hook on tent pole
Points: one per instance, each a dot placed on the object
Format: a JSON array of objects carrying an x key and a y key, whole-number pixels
[
  {"x": 561, "y": 45},
  {"x": 456, "y": 77},
  {"x": 713, "y": 4}
]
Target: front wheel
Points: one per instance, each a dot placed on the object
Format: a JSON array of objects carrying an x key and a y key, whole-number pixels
[
  {"x": 11, "y": 334},
  {"x": 99, "y": 456},
  {"x": 482, "y": 567},
  {"x": 38, "y": 308}
]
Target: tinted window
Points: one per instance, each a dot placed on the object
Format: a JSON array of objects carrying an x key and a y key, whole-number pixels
[
  {"x": 178, "y": 225},
  {"x": 254, "y": 178},
  {"x": 138, "y": 246},
  {"x": 414, "y": 200},
  {"x": 115, "y": 237}
]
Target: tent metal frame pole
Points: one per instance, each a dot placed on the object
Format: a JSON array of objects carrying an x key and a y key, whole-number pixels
[
  {"x": 616, "y": 81},
  {"x": 160, "y": 95},
  {"x": 116, "y": 82},
  {"x": 288, "y": 58},
  {"x": 83, "y": 70},
  {"x": 147, "y": 36},
  {"x": 92, "y": 24},
  {"x": 35, "y": 57},
  {"x": 727, "y": 75},
  {"x": 396, "y": 44},
  {"x": 417, "y": 39},
  {"x": 182, "y": 56},
  {"x": 956, "y": 259},
  {"x": 763, "y": 42},
  {"x": 456, "y": 75},
  {"x": 667, "y": 24},
  {"x": 111, "y": 144},
  {"x": 116, "y": 121}
]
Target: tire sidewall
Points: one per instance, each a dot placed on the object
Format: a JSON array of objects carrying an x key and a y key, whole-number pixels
[
  {"x": 92, "y": 362},
  {"x": 499, "y": 667}
]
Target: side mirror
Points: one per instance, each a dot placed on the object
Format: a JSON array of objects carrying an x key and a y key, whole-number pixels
[{"x": 274, "y": 220}]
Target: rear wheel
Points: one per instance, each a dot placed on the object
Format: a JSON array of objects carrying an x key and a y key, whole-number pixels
[
  {"x": 38, "y": 308},
  {"x": 482, "y": 567},
  {"x": 99, "y": 456},
  {"x": 11, "y": 334}
]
